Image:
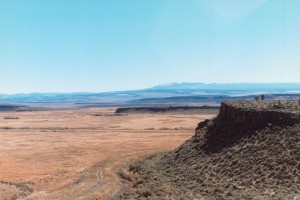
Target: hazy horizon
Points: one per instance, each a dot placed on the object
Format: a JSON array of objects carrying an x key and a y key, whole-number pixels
[
  {"x": 184, "y": 85},
  {"x": 113, "y": 45}
]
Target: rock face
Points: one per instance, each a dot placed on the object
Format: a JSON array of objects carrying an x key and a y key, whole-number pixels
[
  {"x": 9, "y": 107},
  {"x": 238, "y": 119},
  {"x": 251, "y": 150},
  {"x": 166, "y": 109},
  {"x": 255, "y": 114}
]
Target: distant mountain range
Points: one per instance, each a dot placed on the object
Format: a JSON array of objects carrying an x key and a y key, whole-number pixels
[
  {"x": 232, "y": 88},
  {"x": 166, "y": 93}
]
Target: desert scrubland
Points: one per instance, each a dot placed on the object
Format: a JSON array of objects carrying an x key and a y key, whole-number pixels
[{"x": 76, "y": 154}]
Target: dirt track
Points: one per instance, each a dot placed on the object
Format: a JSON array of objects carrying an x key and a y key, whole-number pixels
[{"x": 74, "y": 154}]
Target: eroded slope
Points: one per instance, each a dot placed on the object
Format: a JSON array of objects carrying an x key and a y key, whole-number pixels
[{"x": 250, "y": 151}]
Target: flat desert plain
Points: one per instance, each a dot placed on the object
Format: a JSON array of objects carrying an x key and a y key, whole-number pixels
[{"x": 77, "y": 153}]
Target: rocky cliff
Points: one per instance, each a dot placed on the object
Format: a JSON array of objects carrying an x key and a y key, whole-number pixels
[
  {"x": 251, "y": 150},
  {"x": 11, "y": 107},
  {"x": 255, "y": 114},
  {"x": 161, "y": 109}
]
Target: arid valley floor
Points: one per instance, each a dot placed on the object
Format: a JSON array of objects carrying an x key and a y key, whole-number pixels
[{"x": 75, "y": 154}]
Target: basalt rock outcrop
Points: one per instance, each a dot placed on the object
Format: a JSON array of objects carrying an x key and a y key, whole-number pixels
[
  {"x": 251, "y": 150},
  {"x": 256, "y": 114},
  {"x": 10, "y": 107},
  {"x": 158, "y": 109}
]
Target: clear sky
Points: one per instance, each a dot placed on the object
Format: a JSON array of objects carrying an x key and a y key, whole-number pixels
[{"x": 104, "y": 45}]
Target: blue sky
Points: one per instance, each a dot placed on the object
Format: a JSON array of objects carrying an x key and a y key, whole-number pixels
[{"x": 104, "y": 45}]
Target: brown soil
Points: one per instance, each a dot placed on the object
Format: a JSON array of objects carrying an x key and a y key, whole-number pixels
[
  {"x": 228, "y": 159},
  {"x": 76, "y": 154}
]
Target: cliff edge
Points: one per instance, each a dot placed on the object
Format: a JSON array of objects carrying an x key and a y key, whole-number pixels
[{"x": 251, "y": 150}]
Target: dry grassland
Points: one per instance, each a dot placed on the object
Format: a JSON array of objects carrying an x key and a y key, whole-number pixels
[{"x": 75, "y": 154}]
